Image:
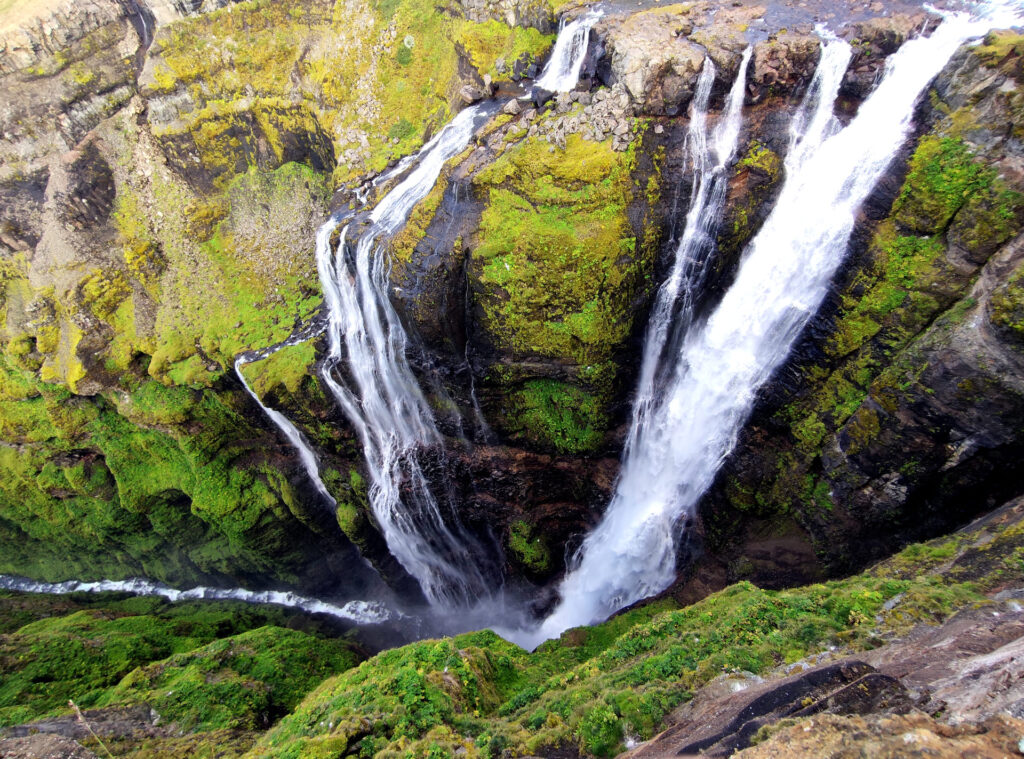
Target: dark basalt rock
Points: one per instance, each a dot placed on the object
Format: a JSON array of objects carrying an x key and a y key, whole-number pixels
[{"x": 718, "y": 726}]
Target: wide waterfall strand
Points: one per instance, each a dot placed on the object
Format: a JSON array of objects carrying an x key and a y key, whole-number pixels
[
  {"x": 379, "y": 393},
  {"x": 563, "y": 70},
  {"x": 782, "y": 280},
  {"x": 360, "y": 612},
  {"x": 673, "y": 307}
]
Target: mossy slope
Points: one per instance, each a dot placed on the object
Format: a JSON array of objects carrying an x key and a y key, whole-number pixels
[{"x": 477, "y": 695}]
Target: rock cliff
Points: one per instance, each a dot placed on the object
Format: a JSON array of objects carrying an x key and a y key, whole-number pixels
[{"x": 164, "y": 224}]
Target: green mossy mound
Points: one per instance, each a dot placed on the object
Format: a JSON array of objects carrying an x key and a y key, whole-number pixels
[
  {"x": 476, "y": 695},
  {"x": 203, "y": 666},
  {"x": 166, "y": 482}
]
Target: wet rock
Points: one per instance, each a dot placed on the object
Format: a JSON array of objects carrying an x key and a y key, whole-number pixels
[
  {"x": 872, "y": 41},
  {"x": 540, "y": 96},
  {"x": 472, "y": 93},
  {"x": 898, "y": 736},
  {"x": 784, "y": 62},
  {"x": 717, "y": 724}
]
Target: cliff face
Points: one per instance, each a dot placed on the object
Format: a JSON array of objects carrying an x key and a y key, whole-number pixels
[
  {"x": 899, "y": 414},
  {"x": 165, "y": 223}
]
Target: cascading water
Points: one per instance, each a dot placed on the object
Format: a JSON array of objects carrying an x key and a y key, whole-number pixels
[
  {"x": 360, "y": 612},
  {"x": 368, "y": 373},
  {"x": 784, "y": 275},
  {"x": 563, "y": 70},
  {"x": 306, "y": 455},
  {"x": 379, "y": 393},
  {"x": 673, "y": 307}
]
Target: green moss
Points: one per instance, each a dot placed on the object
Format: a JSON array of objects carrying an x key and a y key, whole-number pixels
[
  {"x": 558, "y": 415},
  {"x": 1007, "y": 307},
  {"x": 200, "y": 665},
  {"x": 558, "y": 262},
  {"x": 479, "y": 696},
  {"x": 943, "y": 175},
  {"x": 529, "y": 548},
  {"x": 1000, "y": 46},
  {"x": 286, "y": 369},
  {"x": 763, "y": 160},
  {"x": 245, "y": 681},
  {"x": 488, "y": 42}
]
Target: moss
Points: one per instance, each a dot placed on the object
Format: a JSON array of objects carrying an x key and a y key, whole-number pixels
[
  {"x": 1000, "y": 47},
  {"x": 489, "y": 42},
  {"x": 244, "y": 681},
  {"x": 942, "y": 177},
  {"x": 324, "y": 59},
  {"x": 285, "y": 368},
  {"x": 1007, "y": 307},
  {"x": 246, "y": 286},
  {"x": 480, "y": 696},
  {"x": 169, "y": 481},
  {"x": 529, "y": 548},
  {"x": 558, "y": 263},
  {"x": 141, "y": 252},
  {"x": 200, "y": 665},
  {"x": 558, "y": 415},
  {"x": 763, "y": 160}
]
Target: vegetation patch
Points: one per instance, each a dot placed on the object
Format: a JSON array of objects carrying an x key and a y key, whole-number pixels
[
  {"x": 557, "y": 260},
  {"x": 479, "y": 696},
  {"x": 559, "y": 415}
]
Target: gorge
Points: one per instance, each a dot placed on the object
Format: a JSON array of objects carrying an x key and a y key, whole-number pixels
[{"x": 676, "y": 300}]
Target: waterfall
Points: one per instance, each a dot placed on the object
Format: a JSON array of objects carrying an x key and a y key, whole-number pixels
[
  {"x": 673, "y": 307},
  {"x": 306, "y": 455},
  {"x": 367, "y": 371},
  {"x": 562, "y": 71},
  {"x": 368, "y": 374},
  {"x": 360, "y": 612},
  {"x": 379, "y": 393},
  {"x": 783, "y": 276}
]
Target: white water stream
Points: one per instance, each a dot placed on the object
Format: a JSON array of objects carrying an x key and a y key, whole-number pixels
[
  {"x": 291, "y": 432},
  {"x": 368, "y": 373},
  {"x": 673, "y": 308},
  {"x": 378, "y": 392},
  {"x": 692, "y": 423},
  {"x": 360, "y": 612},
  {"x": 562, "y": 71}
]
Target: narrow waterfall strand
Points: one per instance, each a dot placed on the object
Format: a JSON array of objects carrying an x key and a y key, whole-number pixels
[
  {"x": 291, "y": 432},
  {"x": 360, "y": 612},
  {"x": 562, "y": 72},
  {"x": 783, "y": 277},
  {"x": 673, "y": 307}
]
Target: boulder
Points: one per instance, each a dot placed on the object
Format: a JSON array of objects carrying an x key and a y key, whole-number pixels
[{"x": 649, "y": 53}]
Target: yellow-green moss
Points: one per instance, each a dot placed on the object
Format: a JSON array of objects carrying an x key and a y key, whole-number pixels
[
  {"x": 557, "y": 258},
  {"x": 485, "y": 43},
  {"x": 286, "y": 368}
]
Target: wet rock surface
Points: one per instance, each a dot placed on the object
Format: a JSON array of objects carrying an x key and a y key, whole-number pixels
[{"x": 955, "y": 687}]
